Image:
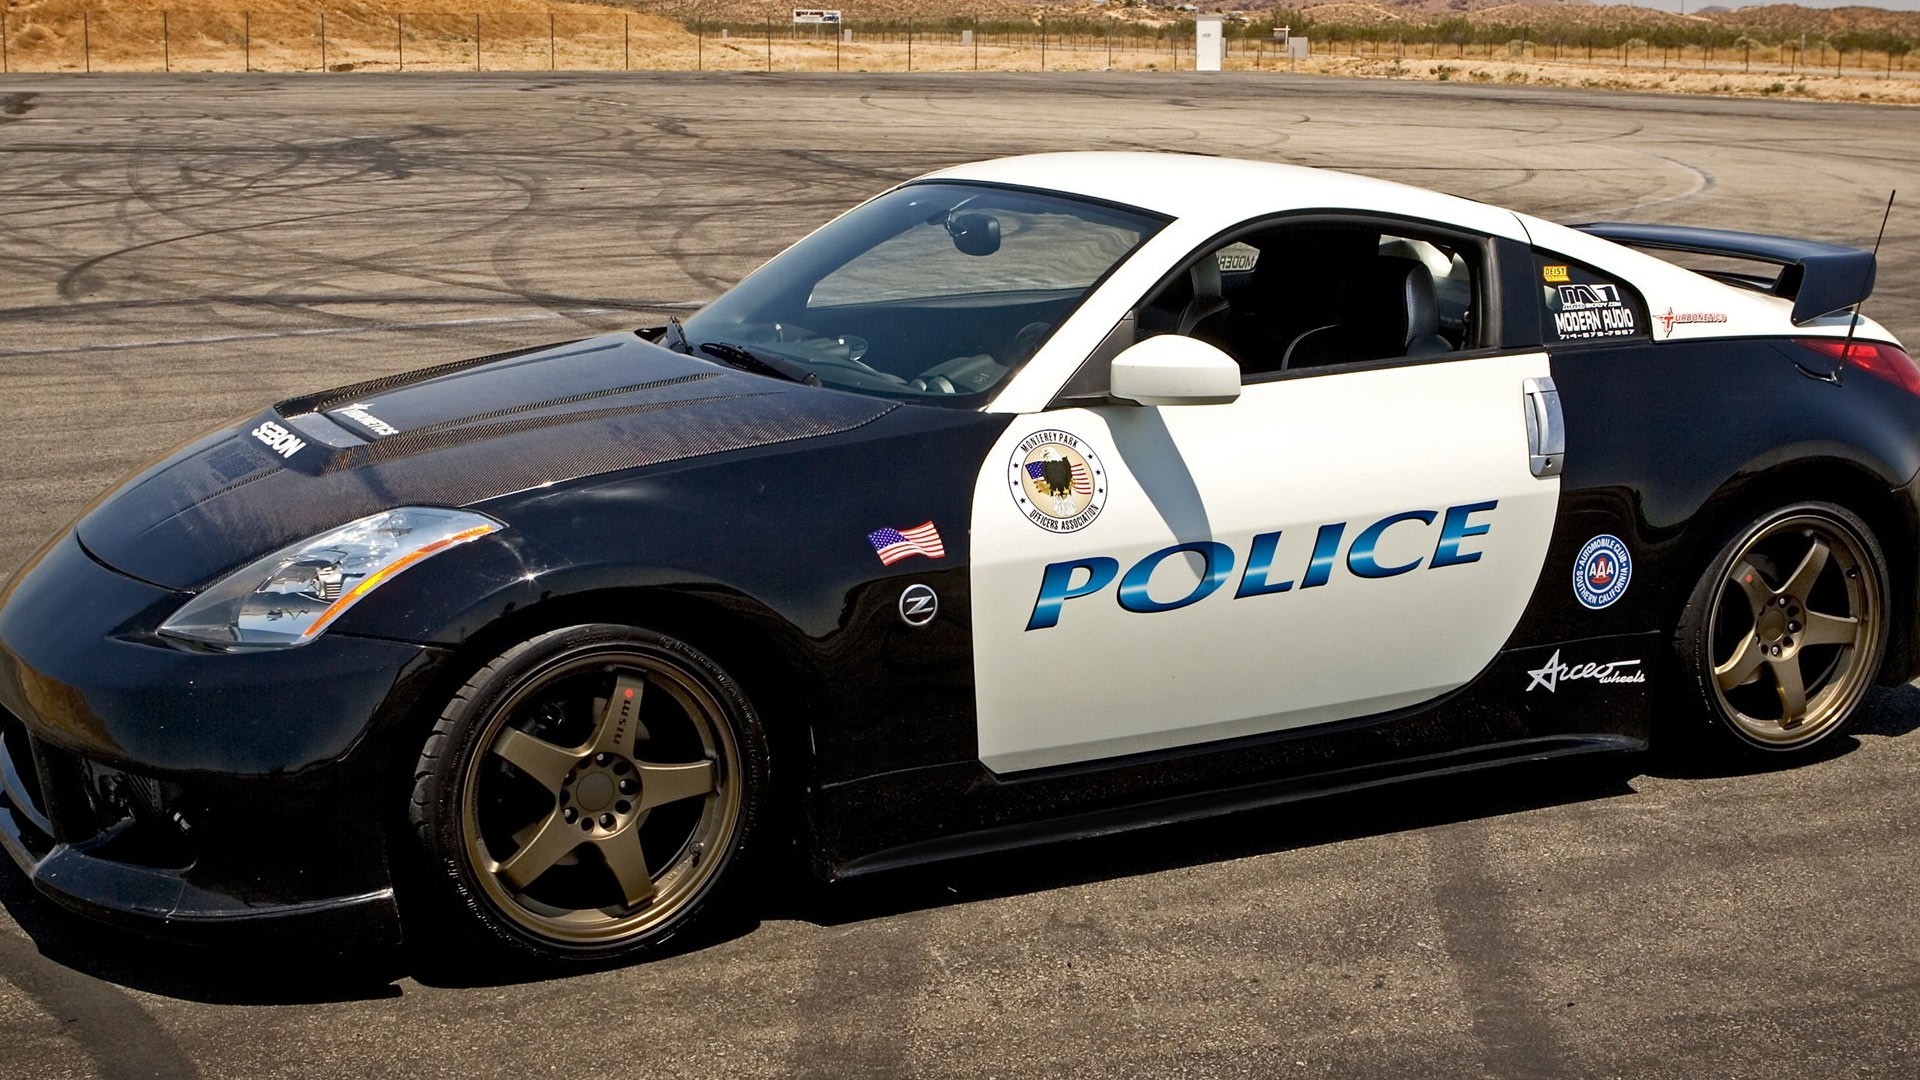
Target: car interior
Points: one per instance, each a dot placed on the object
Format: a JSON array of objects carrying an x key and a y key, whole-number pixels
[{"x": 1314, "y": 296}]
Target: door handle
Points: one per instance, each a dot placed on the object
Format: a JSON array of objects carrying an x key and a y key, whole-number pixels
[{"x": 1546, "y": 428}]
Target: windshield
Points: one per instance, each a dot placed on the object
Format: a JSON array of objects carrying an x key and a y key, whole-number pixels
[{"x": 933, "y": 292}]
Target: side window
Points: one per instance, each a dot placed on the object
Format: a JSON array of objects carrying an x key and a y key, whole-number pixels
[
  {"x": 1303, "y": 296},
  {"x": 1580, "y": 304}
]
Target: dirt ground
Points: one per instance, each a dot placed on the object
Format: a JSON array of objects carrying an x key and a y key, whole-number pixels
[
  {"x": 1901, "y": 88},
  {"x": 527, "y": 35}
]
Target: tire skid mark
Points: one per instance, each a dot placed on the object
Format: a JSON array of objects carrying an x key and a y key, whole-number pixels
[
  {"x": 107, "y": 1024},
  {"x": 859, "y": 1009},
  {"x": 69, "y": 285},
  {"x": 375, "y": 261},
  {"x": 1703, "y": 182},
  {"x": 1509, "y": 1019}
]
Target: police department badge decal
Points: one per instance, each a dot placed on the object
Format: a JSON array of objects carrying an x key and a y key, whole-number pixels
[
  {"x": 1601, "y": 573},
  {"x": 1057, "y": 481}
]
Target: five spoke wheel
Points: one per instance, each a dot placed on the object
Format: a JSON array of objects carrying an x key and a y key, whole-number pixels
[
  {"x": 593, "y": 786},
  {"x": 1796, "y": 626}
]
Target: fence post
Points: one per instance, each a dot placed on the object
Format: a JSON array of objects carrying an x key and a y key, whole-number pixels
[
  {"x": 909, "y": 42},
  {"x": 476, "y": 41},
  {"x": 323, "y": 43},
  {"x": 700, "y": 47},
  {"x": 400, "y": 41},
  {"x": 769, "y": 43},
  {"x": 5, "y": 62},
  {"x": 86, "y": 43},
  {"x": 246, "y": 41},
  {"x": 166, "y": 44},
  {"x": 553, "y": 54},
  {"x": 1043, "y": 43},
  {"x": 626, "y": 43},
  {"x": 976, "y": 43},
  {"x": 1109, "y": 44}
]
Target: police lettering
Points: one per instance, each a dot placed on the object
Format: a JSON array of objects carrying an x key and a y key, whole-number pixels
[
  {"x": 1077, "y": 578},
  {"x": 279, "y": 439}
]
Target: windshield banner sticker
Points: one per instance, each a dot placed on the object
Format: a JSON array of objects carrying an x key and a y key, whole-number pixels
[{"x": 1057, "y": 481}]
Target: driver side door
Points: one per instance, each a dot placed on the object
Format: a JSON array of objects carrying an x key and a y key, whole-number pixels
[{"x": 1333, "y": 544}]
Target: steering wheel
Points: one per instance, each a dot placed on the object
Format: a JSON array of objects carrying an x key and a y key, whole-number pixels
[
  {"x": 845, "y": 351},
  {"x": 1027, "y": 341},
  {"x": 822, "y": 351}
]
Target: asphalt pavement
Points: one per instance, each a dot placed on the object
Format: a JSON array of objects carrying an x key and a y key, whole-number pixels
[{"x": 178, "y": 251}]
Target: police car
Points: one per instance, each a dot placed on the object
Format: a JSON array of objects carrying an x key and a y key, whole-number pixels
[{"x": 1030, "y": 499}]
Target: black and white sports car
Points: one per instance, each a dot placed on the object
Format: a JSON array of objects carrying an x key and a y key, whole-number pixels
[{"x": 1030, "y": 499}]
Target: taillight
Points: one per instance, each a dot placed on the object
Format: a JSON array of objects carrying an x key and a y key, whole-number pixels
[{"x": 1889, "y": 362}]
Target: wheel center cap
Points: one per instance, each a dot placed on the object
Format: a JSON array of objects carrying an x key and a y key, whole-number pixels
[
  {"x": 594, "y": 792},
  {"x": 1772, "y": 625}
]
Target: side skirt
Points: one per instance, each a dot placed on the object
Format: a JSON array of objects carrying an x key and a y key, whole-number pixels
[{"x": 1233, "y": 800}]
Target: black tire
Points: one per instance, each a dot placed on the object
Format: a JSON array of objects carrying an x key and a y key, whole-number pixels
[
  {"x": 1771, "y": 666},
  {"x": 589, "y": 796}
]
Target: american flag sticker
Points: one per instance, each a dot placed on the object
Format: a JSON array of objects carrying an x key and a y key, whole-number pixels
[{"x": 892, "y": 545}]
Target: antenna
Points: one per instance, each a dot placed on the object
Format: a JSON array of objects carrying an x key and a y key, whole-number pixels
[{"x": 1846, "y": 350}]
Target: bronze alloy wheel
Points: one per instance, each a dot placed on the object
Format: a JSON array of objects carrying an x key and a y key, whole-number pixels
[
  {"x": 585, "y": 792},
  {"x": 1797, "y": 625}
]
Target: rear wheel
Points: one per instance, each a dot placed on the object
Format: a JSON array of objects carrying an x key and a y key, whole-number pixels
[
  {"x": 588, "y": 793},
  {"x": 1784, "y": 634}
]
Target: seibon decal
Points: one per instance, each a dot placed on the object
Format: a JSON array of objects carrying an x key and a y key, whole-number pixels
[{"x": 279, "y": 439}]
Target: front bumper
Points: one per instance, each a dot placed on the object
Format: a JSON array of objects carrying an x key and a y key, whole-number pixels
[{"x": 196, "y": 793}]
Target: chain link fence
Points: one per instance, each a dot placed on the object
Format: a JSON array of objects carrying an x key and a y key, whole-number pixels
[
  {"x": 560, "y": 40},
  {"x": 572, "y": 40}
]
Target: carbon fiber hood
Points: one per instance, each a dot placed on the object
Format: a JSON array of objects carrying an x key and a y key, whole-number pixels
[{"x": 454, "y": 435}]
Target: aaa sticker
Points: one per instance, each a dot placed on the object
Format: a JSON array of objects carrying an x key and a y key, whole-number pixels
[
  {"x": 1602, "y": 571},
  {"x": 1057, "y": 481}
]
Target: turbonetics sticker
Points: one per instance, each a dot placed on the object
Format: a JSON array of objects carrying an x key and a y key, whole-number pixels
[
  {"x": 1057, "y": 481},
  {"x": 1602, "y": 571}
]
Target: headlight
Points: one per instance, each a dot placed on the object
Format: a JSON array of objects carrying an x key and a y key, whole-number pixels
[{"x": 292, "y": 595}]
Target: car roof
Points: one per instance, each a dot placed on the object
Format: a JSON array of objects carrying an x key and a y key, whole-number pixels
[{"x": 1220, "y": 192}]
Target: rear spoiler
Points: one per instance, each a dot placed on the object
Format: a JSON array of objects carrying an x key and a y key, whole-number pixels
[{"x": 1819, "y": 278}]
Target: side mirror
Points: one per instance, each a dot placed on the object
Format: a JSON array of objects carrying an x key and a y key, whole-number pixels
[
  {"x": 1173, "y": 370},
  {"x": 974, "y": 234}
]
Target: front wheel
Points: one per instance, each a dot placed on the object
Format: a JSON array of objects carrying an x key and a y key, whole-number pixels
[
  {"x": 586, "y": 795},
  {"x": 1784, "y": 634}
]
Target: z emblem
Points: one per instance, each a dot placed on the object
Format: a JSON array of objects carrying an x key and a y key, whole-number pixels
[{"x": 918, "y": 605}]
